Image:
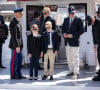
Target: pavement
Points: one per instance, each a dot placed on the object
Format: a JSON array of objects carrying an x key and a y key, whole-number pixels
[{"x": 60, "y": 82}]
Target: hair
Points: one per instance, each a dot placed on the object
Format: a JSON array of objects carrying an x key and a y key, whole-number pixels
[
  {"x": 34, "y": 25},
  {"x": 36, "y": 14},
  {"x": 47, "y": 9},
  {"x": 48, "y": 22}
]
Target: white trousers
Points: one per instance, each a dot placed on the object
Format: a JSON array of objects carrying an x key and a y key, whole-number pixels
[{"x": 72, "y": 54}]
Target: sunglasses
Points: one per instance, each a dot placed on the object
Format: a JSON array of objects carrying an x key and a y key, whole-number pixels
[
  {"x": 34, "y": 29},
  {"x": 44, "y": 13}
]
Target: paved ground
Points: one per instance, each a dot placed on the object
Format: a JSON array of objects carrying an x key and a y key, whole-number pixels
[{"x": 60, "y": 80}]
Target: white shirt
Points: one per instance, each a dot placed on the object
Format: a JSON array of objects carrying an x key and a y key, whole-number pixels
[{"x": 51, "y": 44}]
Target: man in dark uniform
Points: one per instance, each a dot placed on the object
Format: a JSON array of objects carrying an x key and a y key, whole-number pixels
[
  {"x": 98, "y": 13},
  {"x": 72, "y": 29},
  {"x": 46, "y": 17},
  {"x": 16, "y": 45},
  {"x": 96, "y": 38},
  {"x": 1, "y": 40}
]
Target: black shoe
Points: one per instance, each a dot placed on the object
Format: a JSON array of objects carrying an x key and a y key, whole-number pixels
[
  {"x": 22, "y": 77},
  {"x": 98, "y": 73},
  {"x": 35, "y": 78},
  {"x": 44, "y": 77},
  {"x": 70, "y": 74},
  {"x": 51, "y": 77},
  {"x": 96, "y": 78},
  {"x": 30, "y": 78},
  {"x": 2, "y": 67},
  {"x": 15, "y": 78}
]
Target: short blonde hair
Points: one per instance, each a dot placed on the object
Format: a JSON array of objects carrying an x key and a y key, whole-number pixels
[
  {"x": 48, "y": 22},
  {"x": 47, "y": 9}
]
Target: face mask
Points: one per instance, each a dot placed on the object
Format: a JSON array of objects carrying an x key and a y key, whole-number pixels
[
  {"x": 48, "y": 27},
  {"x": 34, "y": 29}
]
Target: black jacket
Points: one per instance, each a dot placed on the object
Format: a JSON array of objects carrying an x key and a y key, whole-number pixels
[
  {"x": 42, "y": 24},
  {"x": 55, "y": 41},
  {"x": 34, "y": 45},
  {"x": 16, "y": 34},
  {"x": 1, "y": 19},
  {"x": 4, "y": 27},
  {"x": 76, "y": 29},
  {"x": 96, "y": 32}
]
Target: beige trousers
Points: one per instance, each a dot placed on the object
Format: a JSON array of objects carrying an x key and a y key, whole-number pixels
[
  {"x": 72, "y": 54},
  {"x": 51, "y": 57}
]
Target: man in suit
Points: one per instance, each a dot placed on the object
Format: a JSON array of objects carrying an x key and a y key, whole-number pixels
[
  {"x": 50, "y": 47},
  {"x": 16, "y": 45},
  {"x": 72, "y": 29},
  {"x": 95, "y": 22},
  {"x": 1, "y": 40},
  {"x": 46, "y": 17}
]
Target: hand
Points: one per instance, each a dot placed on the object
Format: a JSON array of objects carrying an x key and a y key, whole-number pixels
[
  {"x": 95, "y": 47},
  {"x": 70, "y": 36},
  {"x": 29, "y": 55},
  {"x": 41, "y": 55},
  {"x": 18, "y": 49},
  {"x": 65, "y": 35},
  {"x": 55, "y": 53}
]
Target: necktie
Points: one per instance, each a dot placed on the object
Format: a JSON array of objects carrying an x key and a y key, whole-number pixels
[
  {"x": 48, "y": 38},
  {"x": 70, "y": 22}
]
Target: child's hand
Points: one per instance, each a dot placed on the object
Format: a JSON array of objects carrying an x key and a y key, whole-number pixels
[
  {"x": 29, "y": 55},
  {"x": 41, "y": 55}
]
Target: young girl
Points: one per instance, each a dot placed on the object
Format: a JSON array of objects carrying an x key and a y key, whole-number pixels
[{"x": 34, "y": 51}]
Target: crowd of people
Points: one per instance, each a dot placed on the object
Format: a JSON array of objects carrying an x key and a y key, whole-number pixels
[{"x": 44, "y": 42}]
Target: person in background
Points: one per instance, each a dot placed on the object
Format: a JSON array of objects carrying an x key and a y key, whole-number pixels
[
  {"x": 2, "y": 36},
  {"x": 46, "y": 17},
  {"x": 50, "y": 46},
  {"x": 16, "y": 45},
  {"x": 36, "y": 19},
  {"x": 72, "y": 29},
  {"x": 34, "y": 50},
  {"x": 95, "y": 22}
]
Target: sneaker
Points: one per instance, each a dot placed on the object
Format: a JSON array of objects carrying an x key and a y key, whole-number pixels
[
  {"x": 30, "y": 78},
  {"x": 51, "y": 77},
  {"x": 76, "y": 76},
  {"x": 70, "y": 74}
]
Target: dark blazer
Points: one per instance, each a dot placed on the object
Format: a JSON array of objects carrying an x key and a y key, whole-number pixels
[
  {"x": 1, "y": 19},
  {"x": 96, "y": 32},
  {"x": 34, "y": 45},
  {"x": 42, "y": 24},
  {"x": 55, "y": 41},
  {"x": 76, "y": 29},
  {"x": 16, "y": 34}
]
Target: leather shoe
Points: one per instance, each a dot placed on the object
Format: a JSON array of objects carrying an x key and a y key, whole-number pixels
[
  {"x": 44, "y": 77},
  {"x": 22, "y": 77},
  {"x": 96, "y": 78},
  {"x": 70, "y": 74},
  {"x": 51, "y": 77},
  {"x": 2, "y": 67},
  {"x": 15, "y": 78}
]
